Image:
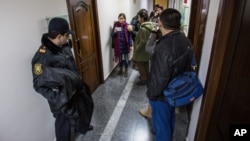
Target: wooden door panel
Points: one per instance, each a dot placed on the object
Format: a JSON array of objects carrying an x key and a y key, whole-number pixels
[
  {"x": 90, "y": 71},
  {"x": 84, "y": 33},
  {"x": 227, "y": 98},
  {"x": 86, "y": 45},
  {"x": 235, "y": 104}
]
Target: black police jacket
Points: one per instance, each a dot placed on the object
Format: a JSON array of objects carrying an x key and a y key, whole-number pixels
[
  {"x": 167, "y": 50},
  {"x": 56, "y": 78}
]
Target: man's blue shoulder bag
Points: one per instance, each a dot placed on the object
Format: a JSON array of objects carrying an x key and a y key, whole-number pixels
[{"x": 184, "y": 88}]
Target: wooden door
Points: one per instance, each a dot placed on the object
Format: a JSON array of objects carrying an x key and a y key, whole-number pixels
[
  {"x": 87, "y": 49},
  {"x": 227, "y": 95},
  {"x": 163, "y": 3}
]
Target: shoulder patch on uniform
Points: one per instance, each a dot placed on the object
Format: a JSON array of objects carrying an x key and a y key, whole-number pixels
[
  {"x": 42, "y": 49},
  {"x": 38, "y": 69}
]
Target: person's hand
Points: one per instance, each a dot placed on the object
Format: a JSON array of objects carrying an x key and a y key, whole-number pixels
[
  {"x": 155, "y": 27},
  {"x": 130, "y": 49},
  {"x": 130, "y": 28}
]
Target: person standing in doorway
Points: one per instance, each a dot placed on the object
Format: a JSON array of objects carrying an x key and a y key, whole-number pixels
[
  {"x": 156, "y": 16},
  {"x": 152, "y": 13},
  {"x": 122, "y": 43},
  {"x": 56, "y": 78},
  {"x": 170, "y": 46}
]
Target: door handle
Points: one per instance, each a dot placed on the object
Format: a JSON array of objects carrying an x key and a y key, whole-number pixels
[{"x": 79, "y": 48}]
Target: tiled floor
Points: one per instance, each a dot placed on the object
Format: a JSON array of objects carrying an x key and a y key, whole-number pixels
[{"x": 116, "y": 116}]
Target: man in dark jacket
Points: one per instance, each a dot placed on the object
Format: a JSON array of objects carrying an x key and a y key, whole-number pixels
[
  {"x": 56, "y": 78},
  {"x": 171, "y": 46}
]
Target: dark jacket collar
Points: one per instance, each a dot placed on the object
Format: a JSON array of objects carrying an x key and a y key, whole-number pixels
[
  {"x": 171, "y": 34},
  {"x": 168, "y": 36},
  {"x": 51, "y": 46}
]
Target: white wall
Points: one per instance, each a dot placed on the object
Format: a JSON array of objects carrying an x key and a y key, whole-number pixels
[
  {"x": 25, "y": 115},
  {"x": 205, "y": 57},
  {"x": 107, "y": 15}
]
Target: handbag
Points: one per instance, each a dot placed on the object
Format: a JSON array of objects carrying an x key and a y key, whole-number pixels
[{"x": 184, "y": 88}]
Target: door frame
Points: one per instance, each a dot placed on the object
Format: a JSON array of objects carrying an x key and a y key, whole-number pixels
[
  {"x": 218, "y": 71},
  {"x": 198, "y": 19},
  {"x": 196, "y": 33},
  {"x": 96, "y": 33}
]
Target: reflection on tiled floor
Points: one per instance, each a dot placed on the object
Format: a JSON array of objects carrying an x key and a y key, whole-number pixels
[{"x": 131, "y": 126}]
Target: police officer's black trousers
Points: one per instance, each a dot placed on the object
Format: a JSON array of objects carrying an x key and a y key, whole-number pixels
[{"x": 62, "y": 128}]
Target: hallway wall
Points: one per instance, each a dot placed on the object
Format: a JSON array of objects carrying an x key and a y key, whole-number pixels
[{"x": 25, "y": 115}]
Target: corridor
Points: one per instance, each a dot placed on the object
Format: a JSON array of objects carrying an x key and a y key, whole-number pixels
[{"x": 116, "y": 116}]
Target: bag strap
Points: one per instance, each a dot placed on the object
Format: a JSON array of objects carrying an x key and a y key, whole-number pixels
[
  {"x": 193, "y": 64},
  {"x": 184, "y": 54}
]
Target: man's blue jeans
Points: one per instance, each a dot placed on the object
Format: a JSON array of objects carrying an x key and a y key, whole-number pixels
[{"x": 163, "y": 120}]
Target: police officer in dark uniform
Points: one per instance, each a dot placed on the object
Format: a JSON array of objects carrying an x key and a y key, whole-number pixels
[{"x": 56, "y": 78}]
